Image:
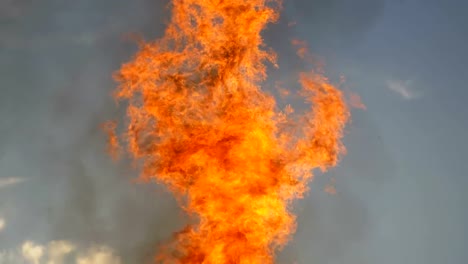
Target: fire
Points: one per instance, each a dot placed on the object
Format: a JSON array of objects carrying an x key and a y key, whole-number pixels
[{"x": 200, "y": 123}]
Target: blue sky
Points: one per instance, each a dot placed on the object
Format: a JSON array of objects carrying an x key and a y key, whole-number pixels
[{"x": 400, "y": 190}]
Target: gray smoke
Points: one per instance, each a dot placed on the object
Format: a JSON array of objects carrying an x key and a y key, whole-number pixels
[{"x": 56, "y": 61}]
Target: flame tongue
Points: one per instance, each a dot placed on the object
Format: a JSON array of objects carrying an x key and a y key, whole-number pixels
[{"x": 200, "y": 123}]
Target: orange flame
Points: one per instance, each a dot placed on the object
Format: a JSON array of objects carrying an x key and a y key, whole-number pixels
[{"x": 200, "y": 124}]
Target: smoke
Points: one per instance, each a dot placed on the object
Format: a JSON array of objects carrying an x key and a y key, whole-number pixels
[{"x": 56, "y": 60}]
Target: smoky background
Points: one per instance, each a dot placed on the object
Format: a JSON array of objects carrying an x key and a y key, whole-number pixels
[{"x": 56, "y": 64}]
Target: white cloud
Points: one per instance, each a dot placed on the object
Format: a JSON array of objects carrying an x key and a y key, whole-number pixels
[
  {"x": 403, "y": 88},
  {"x": 32, "y": 252},
  {"x": 59, "y": 252},
  {"x": 99, "y": 255},
  {"x": 5, "y": 182},
  {"x": 2, "y": 223}
]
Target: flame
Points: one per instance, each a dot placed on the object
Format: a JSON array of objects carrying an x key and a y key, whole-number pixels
[{"x": 200, "y": 123}]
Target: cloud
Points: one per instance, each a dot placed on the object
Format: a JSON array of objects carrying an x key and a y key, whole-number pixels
[
  {"x": 99, "y": 255},
  {"x": 59, "y": 252},
  {"x": 32, "y": 252},
  {"x": 2, "y": 223},
  {"x": 5, "y": 182},
  {"x": 403, "y": 88}
]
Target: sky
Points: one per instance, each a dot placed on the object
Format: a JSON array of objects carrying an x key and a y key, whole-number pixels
[{"x": 400, "y": 190}]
